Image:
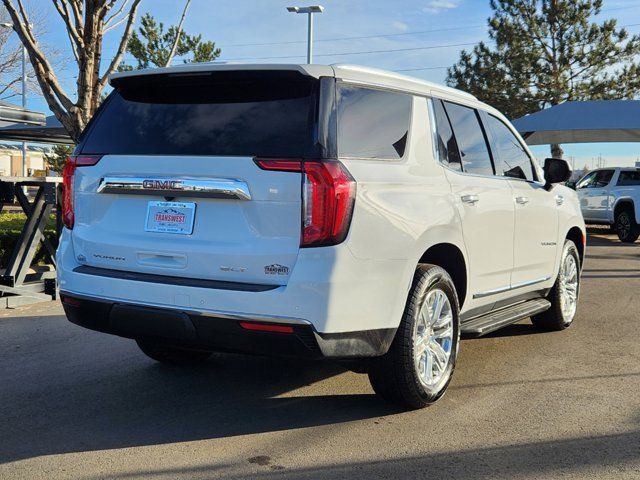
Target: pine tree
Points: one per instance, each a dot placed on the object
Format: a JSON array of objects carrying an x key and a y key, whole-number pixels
[
  {"x": 57, "y": 156},
  {"x": 151, "y": 45},
  {"x": 545, "y": 52}
]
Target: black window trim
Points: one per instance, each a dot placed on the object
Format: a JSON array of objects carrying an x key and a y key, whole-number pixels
[
  {"x": 432, "y": 112},
  {"x": 369, "y": 86}
]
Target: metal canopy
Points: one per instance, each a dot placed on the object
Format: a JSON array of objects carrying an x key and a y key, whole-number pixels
[
  {"x": 582, "y": 122},
  {"x": 11, "y": 113},
  {"x": 51, "y": 132}
]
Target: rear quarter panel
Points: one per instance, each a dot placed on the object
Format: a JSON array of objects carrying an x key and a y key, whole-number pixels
[{"x": 403, "y": 207}]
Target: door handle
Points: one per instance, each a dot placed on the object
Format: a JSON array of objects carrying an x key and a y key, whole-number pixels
[
  {"x": 522, "y": 200},
  {"x": 472, "y": 199},
  {"x": 559, "y": 199}
]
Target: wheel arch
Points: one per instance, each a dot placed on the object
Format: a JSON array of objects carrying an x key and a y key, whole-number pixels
[
  {"x": 624, "y": 202},
  {"x": 578, "y": 237},
  {"x": 449, "y": 257}
]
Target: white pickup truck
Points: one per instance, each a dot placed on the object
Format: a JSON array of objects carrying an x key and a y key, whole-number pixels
[{"x": 611, "y": 196}]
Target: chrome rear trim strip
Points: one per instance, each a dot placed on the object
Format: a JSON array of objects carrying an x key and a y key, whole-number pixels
[{"x": 176, "y": 187}]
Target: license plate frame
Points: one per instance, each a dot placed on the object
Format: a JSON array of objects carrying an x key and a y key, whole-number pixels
[{"x": 177, "y": 218}]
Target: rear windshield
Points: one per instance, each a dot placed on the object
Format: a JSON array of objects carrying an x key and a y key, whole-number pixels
[{"x": 269, "y": 114}]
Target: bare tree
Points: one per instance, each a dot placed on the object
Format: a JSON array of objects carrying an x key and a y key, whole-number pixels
[
  {"x": 11, "y": 59},
  {"x": 86, "y": 23}
]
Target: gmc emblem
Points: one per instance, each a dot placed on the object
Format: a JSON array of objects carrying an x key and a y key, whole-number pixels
[{"x": 162, "y": 184}]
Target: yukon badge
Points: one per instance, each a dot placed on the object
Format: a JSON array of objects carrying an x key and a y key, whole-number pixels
[{"x": 276, "y": 269}]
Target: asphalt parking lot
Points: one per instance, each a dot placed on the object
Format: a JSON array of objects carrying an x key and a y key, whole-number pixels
[{"x": 523, "y": 404}]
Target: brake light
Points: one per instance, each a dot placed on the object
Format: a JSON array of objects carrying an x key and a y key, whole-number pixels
[
  {"x": 73, "y": 162},
  {"x": 328, "y": 197}
]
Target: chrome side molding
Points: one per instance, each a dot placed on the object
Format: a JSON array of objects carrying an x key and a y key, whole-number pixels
[
  {"x": 514, "y": 286},
  {"x": 176, "y": 187}
]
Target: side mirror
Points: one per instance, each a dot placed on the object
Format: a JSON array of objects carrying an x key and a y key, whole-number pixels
[{"x": 556, "y": 170}]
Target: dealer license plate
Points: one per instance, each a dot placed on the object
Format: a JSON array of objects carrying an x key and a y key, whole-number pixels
[{"x": 170, "y": 217}]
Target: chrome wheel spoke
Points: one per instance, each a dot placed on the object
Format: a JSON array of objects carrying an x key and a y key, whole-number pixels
[
  {"x": 439, "y": 354},
  {"x": 445, "y": 332},
  {"x": 568, "y": 287},
  {"x": 428, "y": 365},
  {"x": 433, "y": 337},
  {"x": 438, "y": 303},
  {"x": 420, "y": 347}
]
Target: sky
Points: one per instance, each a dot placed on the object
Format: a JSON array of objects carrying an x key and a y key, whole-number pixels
[{"x": 415, "y": 37}]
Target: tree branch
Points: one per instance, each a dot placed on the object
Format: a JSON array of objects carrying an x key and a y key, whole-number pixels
[
  {"x": 107, "y": 22},
  {"x": 123, "y": 44},
  {"x": 72, "y": 32},
  {"x": 47, "y": 79},
  {"x": 178, "y": 33}
]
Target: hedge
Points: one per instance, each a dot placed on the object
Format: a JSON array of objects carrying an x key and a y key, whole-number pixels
[{"x": 10, "y": 227}]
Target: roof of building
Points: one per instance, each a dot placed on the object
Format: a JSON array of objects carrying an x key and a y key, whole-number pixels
[
  {"x": 583, "y": 122},
  {"x": 51, "y": 132}
]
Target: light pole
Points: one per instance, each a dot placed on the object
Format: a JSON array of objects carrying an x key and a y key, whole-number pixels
[
  {"x": 309, "y": 11},
  {"x": 24, "y": 96}
]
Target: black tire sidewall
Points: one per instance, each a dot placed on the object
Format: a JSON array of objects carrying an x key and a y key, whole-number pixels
[{"x": 634, "y": 230}]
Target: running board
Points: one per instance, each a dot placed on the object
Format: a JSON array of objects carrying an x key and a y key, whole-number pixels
[{"x": 492, "y": 321}]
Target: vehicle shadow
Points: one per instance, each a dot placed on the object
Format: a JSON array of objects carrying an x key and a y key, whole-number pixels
[
  {"x": 607, "y": 240},
  {"x": 106, "y": 394},
  {"x": 589, "y": 456}
]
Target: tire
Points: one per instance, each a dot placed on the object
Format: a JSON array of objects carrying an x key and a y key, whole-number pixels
[
  {"x": 398, "y": 376},
  {"x": 171, "y": 355},
  {"x": 626, "y": 227},
  {"x": 561, "y": 315}
]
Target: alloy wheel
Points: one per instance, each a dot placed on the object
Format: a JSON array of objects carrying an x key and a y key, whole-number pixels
[{"x": 433, "y": 338}]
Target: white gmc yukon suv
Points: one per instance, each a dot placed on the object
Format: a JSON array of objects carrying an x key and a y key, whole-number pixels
[
  {"x": 611, "y": 196},
  {"x": 332, "y": 212}
]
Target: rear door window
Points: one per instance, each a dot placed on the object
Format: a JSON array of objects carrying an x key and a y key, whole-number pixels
[
  {"x": 446, "y": 145},
  {"x": 267, "y": 114},
  {"x": 470, "y": 138},
  {"x": 510, "y": 157},
  {"x": 629, "y": 178},
  {"x": 372, "y": 123}
]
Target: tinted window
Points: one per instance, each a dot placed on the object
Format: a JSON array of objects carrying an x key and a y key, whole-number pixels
[
  {"x": 372, "y": 123},
  {"x": 445, "y": 141},
  {"x": 509, "y": 155},
  {"x": 629, "y": 178},
  {"x": 597, "y": 179},
  {"x": 470, "y": 139},
  {"x": 207, "y": 115},
  {"x": 587, "y": 180}
]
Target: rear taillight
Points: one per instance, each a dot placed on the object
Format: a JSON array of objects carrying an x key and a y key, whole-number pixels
[
  {"x": 73, "y": 162},
  {"x": 328, "y": 196}
]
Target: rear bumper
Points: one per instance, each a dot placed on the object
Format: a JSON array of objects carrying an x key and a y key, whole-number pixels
[
  {"x": 221, "y": 332},
  {"x": 329, "y": 289}
]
